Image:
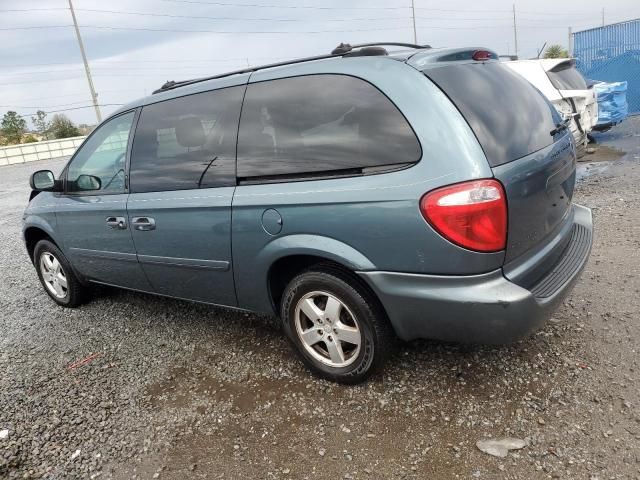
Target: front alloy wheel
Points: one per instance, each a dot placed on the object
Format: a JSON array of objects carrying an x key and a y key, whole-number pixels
[
  {"x": 57, "y": 276},
  {"x": 53, "y": 276}
]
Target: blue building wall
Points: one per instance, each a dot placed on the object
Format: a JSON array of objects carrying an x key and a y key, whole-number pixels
[{"x": 612, "y": 54}]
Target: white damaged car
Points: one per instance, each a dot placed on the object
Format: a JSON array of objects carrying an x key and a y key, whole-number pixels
[{"x": 561, "y": 82}]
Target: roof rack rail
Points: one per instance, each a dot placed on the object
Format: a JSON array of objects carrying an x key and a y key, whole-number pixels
[
  {"x": 170, "y": 85},
  {"x": 344, "y": 48}
]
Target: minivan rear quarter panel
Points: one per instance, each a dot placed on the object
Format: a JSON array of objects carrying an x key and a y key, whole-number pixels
[{"x": 358, "y": 221}]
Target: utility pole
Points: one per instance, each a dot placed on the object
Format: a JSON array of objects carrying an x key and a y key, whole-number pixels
[
  {"x": 94, "y": 95},
  {"x": 569, "y": 42},
  {"x": 515, "y": 31},
  {"x": 603, "y": 16},
  {"x": 413, "y": 12}
]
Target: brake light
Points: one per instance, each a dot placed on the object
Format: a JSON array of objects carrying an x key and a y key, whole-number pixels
[
  {"x": 470, "y": 214},
  {"x": 481, "y": 55}
]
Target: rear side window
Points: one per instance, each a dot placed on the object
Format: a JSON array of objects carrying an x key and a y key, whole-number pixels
[
  {"x": 565, "y": 76},
  {"x": 187, "y": 142},
  {"x": 510, "y": 118},
  {"x": 320, "y": 124}
]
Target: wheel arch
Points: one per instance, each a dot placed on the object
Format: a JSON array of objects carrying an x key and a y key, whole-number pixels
[
  {"x": 32, "y": 235},
  {"x": 287, "y": 267}
]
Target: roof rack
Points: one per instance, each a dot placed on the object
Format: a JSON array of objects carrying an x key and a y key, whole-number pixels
[{"x": 344, "y": 49}]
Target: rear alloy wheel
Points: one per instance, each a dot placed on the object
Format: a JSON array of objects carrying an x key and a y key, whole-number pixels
[
  {"x": 337, "y": 326},
  {"x": 57, "y": 276},
  {"x": 327, "y": 329}
]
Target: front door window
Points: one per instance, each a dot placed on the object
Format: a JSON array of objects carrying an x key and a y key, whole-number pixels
[{"x": 103, "y": 156}]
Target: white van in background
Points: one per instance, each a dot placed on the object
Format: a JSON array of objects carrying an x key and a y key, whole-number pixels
[{"x": 559, "y": 80}]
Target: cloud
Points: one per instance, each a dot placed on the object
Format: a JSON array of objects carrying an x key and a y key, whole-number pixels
[{"x": 42, "y": 67}]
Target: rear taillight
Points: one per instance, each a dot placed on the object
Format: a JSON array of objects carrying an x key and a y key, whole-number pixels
[{"x": 470, "y": 214}]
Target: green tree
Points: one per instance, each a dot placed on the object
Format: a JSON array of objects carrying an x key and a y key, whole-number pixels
[
  {"x": 41, "y": 124},
  {"x": 556, "y": 51},
  {"x": 12, "y": 127},
  {"x": 62, "y": 127}
]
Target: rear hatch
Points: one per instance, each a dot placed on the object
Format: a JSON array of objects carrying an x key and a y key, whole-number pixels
[{"x": 517, "y": 129}]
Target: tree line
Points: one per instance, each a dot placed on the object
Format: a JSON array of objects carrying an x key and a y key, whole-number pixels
[{"x": 13, "y": 128}]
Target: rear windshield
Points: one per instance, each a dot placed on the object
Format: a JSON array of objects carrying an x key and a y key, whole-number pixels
[
  {"x": 510, "y": 118},
  {"x": 566, "y": 76}
]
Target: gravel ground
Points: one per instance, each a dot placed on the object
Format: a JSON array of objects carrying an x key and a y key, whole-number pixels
[{"x": 175, "y": 390}]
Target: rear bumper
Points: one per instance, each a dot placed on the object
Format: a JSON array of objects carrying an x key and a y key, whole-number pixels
[{"x": 485, "y": 308}]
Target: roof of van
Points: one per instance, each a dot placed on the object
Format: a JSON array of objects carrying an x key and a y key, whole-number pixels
[{"x": 417, "y": 56}]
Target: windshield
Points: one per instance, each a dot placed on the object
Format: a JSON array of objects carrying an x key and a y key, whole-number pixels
[{"x": 566, "y": 76}]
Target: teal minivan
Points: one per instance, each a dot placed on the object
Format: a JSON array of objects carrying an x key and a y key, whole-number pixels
[{"x": 360, "y": 196}]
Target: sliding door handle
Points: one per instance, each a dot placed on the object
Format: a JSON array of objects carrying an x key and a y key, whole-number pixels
[{"x": 143, "y": 224}]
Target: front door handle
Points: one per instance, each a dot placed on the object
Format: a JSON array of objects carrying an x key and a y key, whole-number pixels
[
  {"x": 143, "y": 224},
  {"x": 119, "y": 223}
]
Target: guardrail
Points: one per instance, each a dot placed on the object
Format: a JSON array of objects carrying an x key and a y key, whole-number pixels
[{"x": 30, "y": 152}]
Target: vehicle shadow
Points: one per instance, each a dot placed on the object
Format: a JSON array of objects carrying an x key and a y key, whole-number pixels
[{"x": 479, "y": 370}]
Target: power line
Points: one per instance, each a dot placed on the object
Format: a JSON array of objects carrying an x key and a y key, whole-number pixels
[
  {"x": 309, "y": 7},
  {"x": 35, "y": 27},
  {"x": 463, "y": 19},
  {"x": 18, "y": 10},
  {"x": 269, "y": 32},
  {"x": 461, "y": 10},
  {"x": 40, "y": 81},
  {"x": 472, "y": 27},
  {"x": 44, "y": 106},
  {"x": 170, "y": 30},
  {"x": 170, "y": 60},
  {"x": 99, "y": 68},
  {"x": 520, "y": 12},
  {"x": 37, "y": 72},
  {"x": 79, "y": 95},
  {"x": 204, "y": 17},
  {"x": 312, "y": 7},
  {"x": 76, "y": 108}
]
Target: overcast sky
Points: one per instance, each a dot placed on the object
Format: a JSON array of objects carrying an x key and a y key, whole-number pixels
[{"x": 131, "y": 54}]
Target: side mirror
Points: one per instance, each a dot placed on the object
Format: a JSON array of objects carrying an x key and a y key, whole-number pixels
[
  {"x": 87, "y": 183},
  {"x": 43, "y": 181}
]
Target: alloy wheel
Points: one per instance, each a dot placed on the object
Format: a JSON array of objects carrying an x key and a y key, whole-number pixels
[
  {"x": 328, "y": 330},
  {"x": 53, "y": 275}
]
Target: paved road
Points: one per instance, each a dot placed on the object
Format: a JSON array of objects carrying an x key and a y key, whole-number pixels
[{"x": 188, "y": 391}]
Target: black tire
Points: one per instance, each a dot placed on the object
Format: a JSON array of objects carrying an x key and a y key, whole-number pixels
[
  {"x": 376, "y": 335},
  {"x": 74, "y": 294},
  {"x": 581, "y": 150}
]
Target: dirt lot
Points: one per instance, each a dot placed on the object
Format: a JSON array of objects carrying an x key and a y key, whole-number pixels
[{"x": 175, "y": 390}]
